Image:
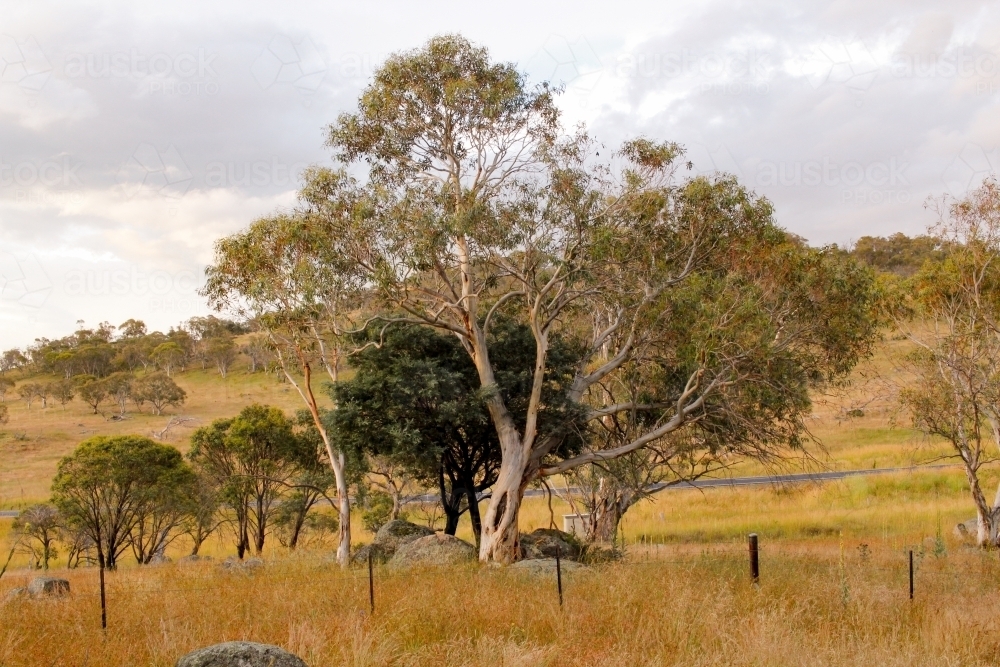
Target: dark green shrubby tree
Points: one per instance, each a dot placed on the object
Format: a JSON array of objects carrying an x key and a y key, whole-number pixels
[{"x": 415, "y": 401}]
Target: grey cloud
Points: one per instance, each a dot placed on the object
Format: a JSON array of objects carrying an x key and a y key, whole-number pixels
[{"x": 130, "y": 140}]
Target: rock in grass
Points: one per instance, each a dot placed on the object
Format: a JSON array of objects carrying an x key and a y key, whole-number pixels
[
  {"x": 48, "y": 587},
  {"x": 234, "y": 564},
  {"x": 433, "y": 550},
  {"x": 389, "y": 538},
  {"x": 193, "y": 558},
  {"x": 15, "y": 594},
  {"x": 545, "y": 542},
  {"x": 241, "y": 654},
  {"x": 967, "y": 529},
  {"x": 380, "y": 554},
  {"x": 398, "y": 532}
]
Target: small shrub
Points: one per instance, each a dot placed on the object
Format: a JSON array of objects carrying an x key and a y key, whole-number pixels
[
  {"x": 377, "y": 511},
  {"x": 940, "y": 549}
]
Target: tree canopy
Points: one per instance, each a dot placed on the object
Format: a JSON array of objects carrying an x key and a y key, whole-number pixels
[
  {"x": 458, "y": 202},
  {"x": 109, "y": 484}
]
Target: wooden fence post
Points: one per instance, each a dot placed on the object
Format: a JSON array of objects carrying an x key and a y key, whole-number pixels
[
  {"x": 559, "y": 576},
  {"x": 754, "y": 559},
  {"x": 911, "y": 574},
  {"x": 371, "y": 584}
]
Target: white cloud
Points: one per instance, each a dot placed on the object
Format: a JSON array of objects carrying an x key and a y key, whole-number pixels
[{"x": 126, "y": 151}]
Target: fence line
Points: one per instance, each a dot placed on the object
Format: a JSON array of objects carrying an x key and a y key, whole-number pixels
[{"x": 357, "y": 577}]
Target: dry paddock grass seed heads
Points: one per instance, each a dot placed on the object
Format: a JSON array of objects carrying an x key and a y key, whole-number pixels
[
  {"x": 690, "y": 604},
  {"x": 681, "y": 609}
]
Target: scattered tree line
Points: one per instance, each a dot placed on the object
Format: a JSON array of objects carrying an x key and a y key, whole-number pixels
[
  {"x": 208, "y": 342},
  {"x": 252, "y": 475},
  {"x": 112, "y": 367}
]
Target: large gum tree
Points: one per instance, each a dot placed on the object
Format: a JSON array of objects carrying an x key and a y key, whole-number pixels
[{"x": 458, "y": 201}]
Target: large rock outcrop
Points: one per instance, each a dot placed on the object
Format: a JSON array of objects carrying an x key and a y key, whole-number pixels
[
  {"x": 241, "y": 654},
  {"x": 388, "y": 539},
  {"x": 437, "y": 549}
]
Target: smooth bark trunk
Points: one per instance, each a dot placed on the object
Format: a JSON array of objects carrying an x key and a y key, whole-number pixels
[
  {"x": 984, "y": 512},
  {"x": 500, "y": 537}
]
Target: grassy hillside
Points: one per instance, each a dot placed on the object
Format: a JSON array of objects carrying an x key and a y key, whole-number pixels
[
  {"x": 856, "y": 426},
  {"x": 34, "y": 440}
]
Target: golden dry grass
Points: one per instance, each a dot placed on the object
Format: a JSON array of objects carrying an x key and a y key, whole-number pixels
[
  {"x": 685, "y": 607},
  {"x": 681, "y": 596}
]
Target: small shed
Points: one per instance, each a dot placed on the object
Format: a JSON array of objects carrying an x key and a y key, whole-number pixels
[{"x": 576, "y": 524}]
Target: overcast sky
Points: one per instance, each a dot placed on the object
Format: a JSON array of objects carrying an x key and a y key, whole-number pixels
[{"x": 133, "y": 135}]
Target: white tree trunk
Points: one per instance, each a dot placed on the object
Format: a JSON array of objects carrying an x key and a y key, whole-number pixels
[
  {"x": 500, "y": 536},
  {"x": 344, "y": 501}
]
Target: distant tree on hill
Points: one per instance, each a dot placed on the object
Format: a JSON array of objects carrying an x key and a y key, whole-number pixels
[
  {"x": 221, "y": 351},
  {"x": 215, "y": 327},
  {"x": 63, "y": 390},
  {"x": 169, "y": 356},
  {"x": 5, "y": 385},
  {"x": 132, "y": 355},
  {"x": 12, "y": 360},
  {"x": 132, "y": 328},
  {"x": 32, "y": 391},
  {"x": 159, "y": 390},
  {"x": 259, "y": 352},
  {"x": 93, "y": 391},
  {"x": 120, "y": 389},
  {"x": 899, "y": 253}
]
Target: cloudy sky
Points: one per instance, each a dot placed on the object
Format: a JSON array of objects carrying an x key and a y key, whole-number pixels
[{"x": 133, "y": 135}]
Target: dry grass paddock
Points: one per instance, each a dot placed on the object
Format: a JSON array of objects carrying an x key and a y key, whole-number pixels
[
  {"x": 817, "y": 604},
  {"x": 833, "y": 560}
]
